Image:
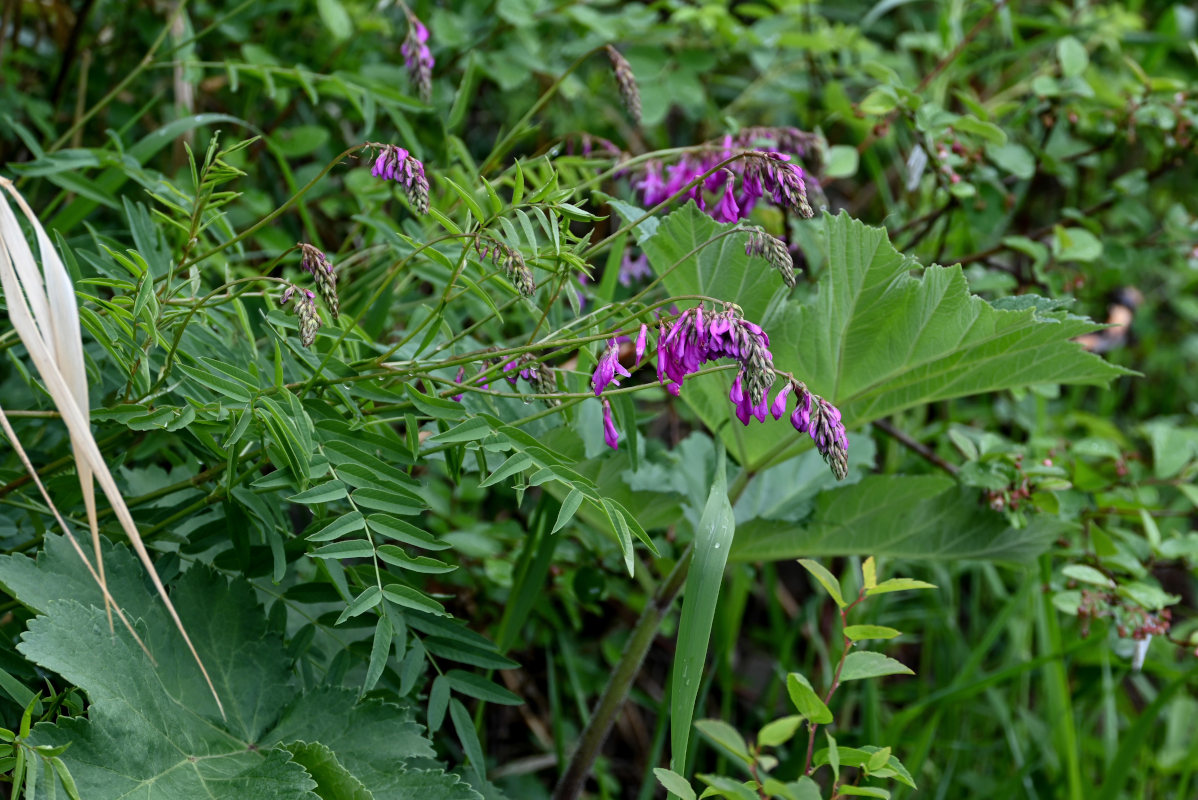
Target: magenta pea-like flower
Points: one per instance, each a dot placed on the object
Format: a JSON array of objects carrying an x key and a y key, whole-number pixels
[
  {"x": 609, "y": 366},
  {"x": 641, "y": 340},
  {"x": 610, "y": 434}
]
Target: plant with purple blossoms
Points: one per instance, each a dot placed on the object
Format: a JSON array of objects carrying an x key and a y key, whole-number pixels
[
  {"x": 767, "y": 169},
  {"x": 512, "y": 261},
  {"x": 397, "y": 164},
  {"x": 417, "y": 58},
  {"x": 626, "y": 81},
  {"x": 698, "y": 337},
  {"x": 304, "y": 308},
  {"x": 317, "y": 264}
]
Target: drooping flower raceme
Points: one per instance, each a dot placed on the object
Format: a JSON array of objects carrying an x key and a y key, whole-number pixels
[
  {"x": 305, "y": 308},
  {"x": 698, "y": 337},
  {"x": 774, "y": 251},
  {"x": 768, "y": 170},
  {"x": 626, "y": 81},
  {"x": 417, "y": 58},
  {"x": 512, "y": 262},
  {"x": 397, "y": 164},
  {"x": 316, "y": 263}
]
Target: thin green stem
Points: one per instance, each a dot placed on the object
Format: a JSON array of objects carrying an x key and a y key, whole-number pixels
[
  {"x": 274, "y": 214},
  {"x": 517, "y": 130}
]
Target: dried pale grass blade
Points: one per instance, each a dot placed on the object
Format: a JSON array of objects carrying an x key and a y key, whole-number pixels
[
  {"x": 16, "y": 256},
  {"x": 41, "y": 487},
  {"x": 66, "y": 342}
]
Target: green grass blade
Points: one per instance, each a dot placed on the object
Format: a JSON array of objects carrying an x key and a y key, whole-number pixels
[{"x": 713, "y": 540}]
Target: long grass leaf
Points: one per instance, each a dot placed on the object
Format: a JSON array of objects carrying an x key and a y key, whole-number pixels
[
  {"x": 66, "y": 342},
  {"x": 16, "y": 257},
  {"x": 713, "y": 540}
]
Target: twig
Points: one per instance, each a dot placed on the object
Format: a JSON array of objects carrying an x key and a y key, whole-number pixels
[{"x": 918, "y": 447}]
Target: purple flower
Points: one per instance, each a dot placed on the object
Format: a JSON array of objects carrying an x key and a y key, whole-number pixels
[
  {"x": 634, "y": 269},
  {"x": 396, "y": 164},
  {"x": 417, "y": 58},
  {"x": 610, "y": 434},
  {"x": 608, "y": 367},
  {"x": 801, "y": 417},
  {"x": 726, "y": 210},
  {"x": 651, "y": 186},
  {"x": 779, "y": 406},
  {"x": 681, "y": 174},
  {"x": 510, "y": 366},
  {"x": 641, "y": 340},
  {"x": 457, "y": 398}
]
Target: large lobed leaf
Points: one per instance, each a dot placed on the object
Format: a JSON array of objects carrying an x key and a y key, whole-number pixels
[
  {"x": 875, "y": 339},
  {"x": 153, "y": 730}
]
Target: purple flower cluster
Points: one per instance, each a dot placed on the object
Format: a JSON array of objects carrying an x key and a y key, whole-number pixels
[
  {"x": 417, "y": 58},
  {"x": 767, "y": 171},
  {"x": 698, "y": 337},
  {"x": 694, "y": 339},
  {"x": 396, "y": 164},
  {"x": 461, "y": 376}
]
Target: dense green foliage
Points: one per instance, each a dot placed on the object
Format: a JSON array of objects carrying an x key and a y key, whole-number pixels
[{"x": 382, "y": 492}]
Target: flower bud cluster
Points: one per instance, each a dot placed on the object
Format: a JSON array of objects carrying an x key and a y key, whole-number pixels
[
  {"x": 626, "y": 81},
  {"x": 774, "y": 251},
  {"x": 512, "y": 262},
  {"x": 417, "y": 58},
  {"x": 541, "y": 376},
  {"x": 316, "y": 263},
  {"x": 397, "y": 164},
  {"x": 1131, "y": 621},
  {"x": 304, "y": 307}
]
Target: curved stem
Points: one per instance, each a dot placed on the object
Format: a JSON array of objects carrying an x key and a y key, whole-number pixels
[
  {"x": 501, "y": 147},
  {"x": 274, "y": 214}
]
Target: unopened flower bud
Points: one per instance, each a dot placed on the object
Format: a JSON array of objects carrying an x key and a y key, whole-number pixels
[{"x": 626, "y": 82}]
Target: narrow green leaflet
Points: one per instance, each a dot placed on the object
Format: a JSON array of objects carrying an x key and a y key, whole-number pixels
[
  {"x": 825, "y": 578},
  {"x": 726, "y": 736},
  {"x": 675, "y": 783},
  {"x": 866, "y": 664},
  {"x": 806, "y": 700}
]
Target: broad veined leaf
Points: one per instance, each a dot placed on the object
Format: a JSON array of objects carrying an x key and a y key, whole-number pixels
[
  {"x": 712, "y": 262},
  {"x": 875, "y": 339},
  {"x": 153, "y": 729},
  {"x": 924, "y": 517}
]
